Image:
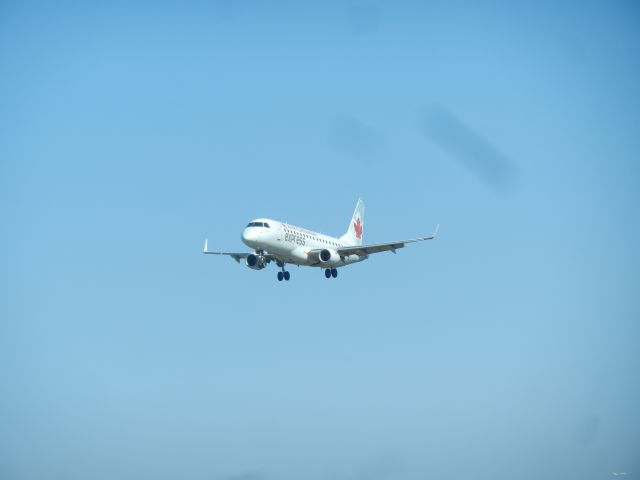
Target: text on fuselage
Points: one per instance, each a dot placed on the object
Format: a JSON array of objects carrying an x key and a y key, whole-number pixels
[{"x": 294, "y": 237}]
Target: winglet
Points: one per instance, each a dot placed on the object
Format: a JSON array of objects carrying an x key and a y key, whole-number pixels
[
  {"x": 434, "y": 234},
  {"x": 206, "y": 246}
]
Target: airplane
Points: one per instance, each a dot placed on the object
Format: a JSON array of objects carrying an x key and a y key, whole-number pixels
[{"x": 283, "y": 243}]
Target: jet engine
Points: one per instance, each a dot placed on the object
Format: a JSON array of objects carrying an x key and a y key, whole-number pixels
[
  {"x": 329, "y": 257},
  {"x": 256, "y": 262}
]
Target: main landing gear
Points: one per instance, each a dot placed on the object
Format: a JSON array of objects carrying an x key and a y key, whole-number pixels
[
  {"x": 283, "y": 274},
  {"x": 331, "y": 272}
]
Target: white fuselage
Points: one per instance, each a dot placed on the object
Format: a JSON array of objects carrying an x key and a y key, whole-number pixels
[{"x": 293, "y": 244}]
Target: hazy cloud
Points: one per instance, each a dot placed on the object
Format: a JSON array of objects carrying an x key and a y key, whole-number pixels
[{"x": 469, "y": 148}]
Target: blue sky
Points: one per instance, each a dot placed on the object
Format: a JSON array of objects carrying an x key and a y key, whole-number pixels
[{"x": 506, "y": 348}]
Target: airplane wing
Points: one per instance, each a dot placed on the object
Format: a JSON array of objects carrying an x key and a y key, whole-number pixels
[
  {"x": 237, "y": 256},
  {"x": 382, "y": 247},
  {"x": 234, "y": 255}
]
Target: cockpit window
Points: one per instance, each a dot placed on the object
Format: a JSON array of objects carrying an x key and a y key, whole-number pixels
[
  {"x": 258, "y": 224},
  {"x": 266, "y": 225}
]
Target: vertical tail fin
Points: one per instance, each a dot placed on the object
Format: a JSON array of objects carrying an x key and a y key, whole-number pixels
[{"x": 355, "y": 231}]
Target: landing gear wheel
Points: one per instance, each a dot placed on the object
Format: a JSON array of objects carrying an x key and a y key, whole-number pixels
[
  {"x": 327, "y": 273},
  {"x": 280, "y": 276},
  {"x": 286, "y": 276},
  {"x": 334, "y": 272}
]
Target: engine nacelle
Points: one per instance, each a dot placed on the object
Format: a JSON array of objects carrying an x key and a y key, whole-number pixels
[
  {"x": 255, "y": 262},
  {"x": 329, "y": 257}
]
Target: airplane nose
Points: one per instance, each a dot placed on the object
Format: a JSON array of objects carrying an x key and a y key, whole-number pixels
[{"x": 249, "y": 235}]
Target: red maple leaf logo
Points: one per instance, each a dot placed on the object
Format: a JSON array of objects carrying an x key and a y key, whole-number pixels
[{"x": 357, "y": 226}]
